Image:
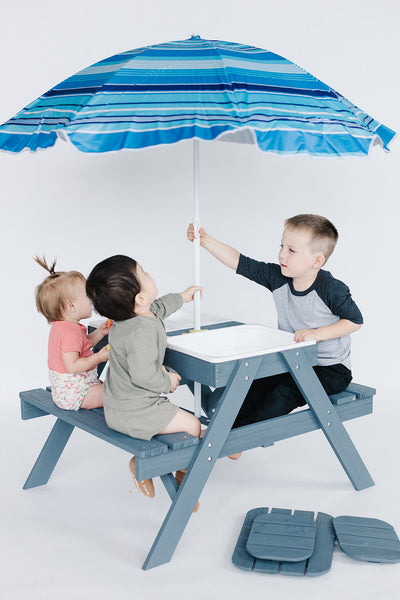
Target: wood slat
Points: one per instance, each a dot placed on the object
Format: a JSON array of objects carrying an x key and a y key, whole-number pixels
[
  {"x": 321, "y": 560},
  {"x": 177, "y": 441},
  {"x": 93, "y": 422},
  {"x": 367, "y": 539},
  {"x": 287, "y": 537},
  {"x": 241, "y": 558},
  {"x": 299, "y": 568},
  {"x": 264, "y": 433}
]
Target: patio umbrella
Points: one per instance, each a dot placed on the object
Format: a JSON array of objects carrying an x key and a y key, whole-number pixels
[{"x": 195, "y": 89}]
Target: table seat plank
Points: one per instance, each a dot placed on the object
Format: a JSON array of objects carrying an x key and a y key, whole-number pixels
[
  {"x": 177, "y": 441},
  {"x": 91, "y": 421}
]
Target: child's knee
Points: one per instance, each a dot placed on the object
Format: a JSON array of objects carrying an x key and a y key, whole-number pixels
[
  {"x": 194, "y": 426},
  {"x": 197, "y": 426}
]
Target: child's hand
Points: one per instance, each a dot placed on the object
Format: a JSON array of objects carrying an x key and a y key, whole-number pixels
[
  {"x": 190, "y": 233},
  {"x": 103, "y": 354},
  {"x": 175, "y": 379},
  {"x": 304, "y": 335},
  {"x": 188, "y": 294},
  {"x": 104, "y": 328}
]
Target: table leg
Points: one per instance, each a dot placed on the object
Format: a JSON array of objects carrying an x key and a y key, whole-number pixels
[
  {"x": 49, "y": 455},
  {"x": 328, "y": 419},
  {"x": 170, "y": 484},
  {"x": 202, "y": 463}
]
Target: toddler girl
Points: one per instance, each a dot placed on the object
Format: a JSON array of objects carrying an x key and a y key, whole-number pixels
[
  {"x": 136, "y": 382},
  {"x": 62, "y": 299}
]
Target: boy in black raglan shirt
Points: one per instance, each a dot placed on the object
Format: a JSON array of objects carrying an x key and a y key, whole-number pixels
[{"x": 310, "y": 302}]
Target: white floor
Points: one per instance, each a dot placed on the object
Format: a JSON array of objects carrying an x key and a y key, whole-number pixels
[{"x": 87, "y": 532}]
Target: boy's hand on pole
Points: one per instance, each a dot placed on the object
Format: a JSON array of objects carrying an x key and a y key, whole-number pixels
[{"x": 191, "y": 234}]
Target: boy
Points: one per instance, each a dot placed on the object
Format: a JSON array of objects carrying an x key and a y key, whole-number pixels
[{"x": 309, "y": 302}]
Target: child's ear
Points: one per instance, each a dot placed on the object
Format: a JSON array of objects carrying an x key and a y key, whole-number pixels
[
  {"x": 319, "y": 261},
  {"x": 69, "y": 306},
  {"x": 139, "y": 299}
]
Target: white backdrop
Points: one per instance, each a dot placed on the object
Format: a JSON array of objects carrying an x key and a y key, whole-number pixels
[{"x": 82, "y": 208}]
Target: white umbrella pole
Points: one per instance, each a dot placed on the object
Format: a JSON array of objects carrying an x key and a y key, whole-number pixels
[
  {"x": 196, "y": 242},
  {"x": 196, "y": 263}
]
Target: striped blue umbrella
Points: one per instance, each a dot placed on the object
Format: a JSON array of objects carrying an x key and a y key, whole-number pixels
[{"x": 195, "y": 88}]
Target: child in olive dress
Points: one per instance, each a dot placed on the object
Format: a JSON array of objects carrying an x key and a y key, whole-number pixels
[{"x": 136, "y": 385}]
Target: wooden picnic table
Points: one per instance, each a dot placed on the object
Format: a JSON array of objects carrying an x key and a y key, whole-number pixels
[{"x": 224, "y": 385}]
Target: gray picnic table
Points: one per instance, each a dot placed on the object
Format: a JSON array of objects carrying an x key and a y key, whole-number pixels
[{"x": 225, "y": 376}]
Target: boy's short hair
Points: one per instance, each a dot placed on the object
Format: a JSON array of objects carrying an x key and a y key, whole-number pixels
[
  {"x": 324, "y": 234},
  {"x": 54, "y": 292},
  {"x": 112, "y": 286}
]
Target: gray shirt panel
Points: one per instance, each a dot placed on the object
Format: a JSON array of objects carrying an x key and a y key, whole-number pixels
[{"x": 310, "y": 312}]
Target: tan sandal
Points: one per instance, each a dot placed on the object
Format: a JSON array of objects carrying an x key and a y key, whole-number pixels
[
  {"x": 235, "y": 456},
  {"x": 179, "y": 477},
  {"x": 145, "y": 487}
]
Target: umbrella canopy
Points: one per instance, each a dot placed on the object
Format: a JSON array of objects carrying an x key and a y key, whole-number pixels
[{"x": 195, "y": 88}]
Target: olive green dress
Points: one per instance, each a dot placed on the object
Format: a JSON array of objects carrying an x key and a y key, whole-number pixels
[{"x": 135, "y": 385}]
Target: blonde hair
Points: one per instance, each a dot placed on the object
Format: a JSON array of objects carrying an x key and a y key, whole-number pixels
[
  {"x": 54, "y": 292},
  {"x": 324, "y": 234}
]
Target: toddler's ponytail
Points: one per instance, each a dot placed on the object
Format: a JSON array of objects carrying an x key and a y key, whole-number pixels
[{"x": 43, "y": 263}]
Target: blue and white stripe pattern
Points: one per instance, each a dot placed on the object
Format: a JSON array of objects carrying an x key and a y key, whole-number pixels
[{"x": 195, "y": 88}]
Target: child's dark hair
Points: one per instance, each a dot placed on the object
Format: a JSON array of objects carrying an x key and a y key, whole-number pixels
[
  {"x": 112, "y": 286},
  {"x": 54, "y": 292}
]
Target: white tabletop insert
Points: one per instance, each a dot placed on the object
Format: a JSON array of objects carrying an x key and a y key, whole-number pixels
[{"x": 233, "y": 343}]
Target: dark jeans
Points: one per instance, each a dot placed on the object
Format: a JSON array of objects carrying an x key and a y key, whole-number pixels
[{"x": 278, "y": 395}]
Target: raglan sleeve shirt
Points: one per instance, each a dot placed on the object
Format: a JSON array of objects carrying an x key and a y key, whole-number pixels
[
  {"x": 266, "y": 274},
  {"x": 326, "y": 301},
  {"x": 341, "y": 303},
  {"x": 333, "y": 293}
]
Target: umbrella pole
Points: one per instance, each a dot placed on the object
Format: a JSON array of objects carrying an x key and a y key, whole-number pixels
[
  {"x": 196, "y": 263},
  {"x": 196, "y": 242}
]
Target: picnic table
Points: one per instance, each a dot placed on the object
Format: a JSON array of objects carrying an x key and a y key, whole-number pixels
[{"x": 225, "y": 376}]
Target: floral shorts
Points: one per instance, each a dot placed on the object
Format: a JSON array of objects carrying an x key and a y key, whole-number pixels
[{"x": 68, "y": 390}]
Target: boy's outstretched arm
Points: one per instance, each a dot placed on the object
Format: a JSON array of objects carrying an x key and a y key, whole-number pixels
[
  {"x": 226, "y": 254},
  {"x": 328, "y": 332}
]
